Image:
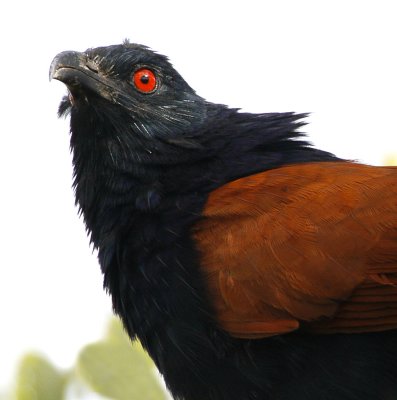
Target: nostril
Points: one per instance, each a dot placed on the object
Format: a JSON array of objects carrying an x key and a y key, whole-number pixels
[{"x": 92, "y": 65}]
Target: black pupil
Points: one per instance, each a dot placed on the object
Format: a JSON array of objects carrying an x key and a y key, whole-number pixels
[{"x": 145, "y": 78}]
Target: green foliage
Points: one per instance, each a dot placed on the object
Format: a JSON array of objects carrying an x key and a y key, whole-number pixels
[
  {"x": 112, "y": 367},
  {"x": 38, "y": 380},
  {"x": 116, "y": 369}
]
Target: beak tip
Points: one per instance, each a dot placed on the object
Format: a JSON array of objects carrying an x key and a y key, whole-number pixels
[
  {"x": 51, "y": 72},
  {"x": 65, "y": 58}
]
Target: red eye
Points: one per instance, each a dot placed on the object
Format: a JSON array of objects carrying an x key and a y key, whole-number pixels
[{"x": 145, "y": 80}]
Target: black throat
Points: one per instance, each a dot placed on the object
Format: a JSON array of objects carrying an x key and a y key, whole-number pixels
[
  {"x": 141, "y": 196},
  {"x": 119, "y": 174}
]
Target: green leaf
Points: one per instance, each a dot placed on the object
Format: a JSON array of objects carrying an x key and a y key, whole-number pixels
[
  {"x": 118, "y": 369},
  {"x": 116, "y": 333},
  {"x": 37, "y": 379}
]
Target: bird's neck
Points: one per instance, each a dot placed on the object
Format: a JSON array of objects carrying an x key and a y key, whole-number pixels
[
  {"x": 109, "y": 199},
  {"x": 118, "y": 178}
]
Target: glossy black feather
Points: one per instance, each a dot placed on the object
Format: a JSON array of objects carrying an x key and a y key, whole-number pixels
[{"x": 143, "y": 168}]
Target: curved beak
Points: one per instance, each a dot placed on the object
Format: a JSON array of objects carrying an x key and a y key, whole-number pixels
[
  {"x": 79, "y": 73},
  {"x": 67, "y": 64}
]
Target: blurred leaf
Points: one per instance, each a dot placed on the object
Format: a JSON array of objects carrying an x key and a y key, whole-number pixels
[
  {"x": 116, "y": 333},
  {"x": 37, "y": 379},
  {"x": 117, "y": 369},
  {"x": 77, "y": 389}
]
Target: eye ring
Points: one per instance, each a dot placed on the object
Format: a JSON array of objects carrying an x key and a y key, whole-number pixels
[{"x": 145, "y": 80}]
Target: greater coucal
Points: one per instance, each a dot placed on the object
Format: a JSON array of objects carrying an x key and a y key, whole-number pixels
[{"x": 250, "y": 264}]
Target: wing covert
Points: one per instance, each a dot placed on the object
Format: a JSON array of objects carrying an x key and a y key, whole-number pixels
[{"x": 311, "y": 246}]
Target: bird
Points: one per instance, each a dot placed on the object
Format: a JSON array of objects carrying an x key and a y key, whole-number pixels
[{"x": 250, "y": 264}]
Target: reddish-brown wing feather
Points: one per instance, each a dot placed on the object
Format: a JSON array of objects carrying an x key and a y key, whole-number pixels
[{"x": 310, "y": 246}]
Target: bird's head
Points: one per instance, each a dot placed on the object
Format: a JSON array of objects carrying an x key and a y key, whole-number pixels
[
  {"x": 129, "y": 96},
  {"x": 131, "y": 111}
]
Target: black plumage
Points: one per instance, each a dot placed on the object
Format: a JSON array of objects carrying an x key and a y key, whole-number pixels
[{"x": 144, "y": 166}]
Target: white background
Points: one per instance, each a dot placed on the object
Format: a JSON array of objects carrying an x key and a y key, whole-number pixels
[{"x": 336, "y": 59}]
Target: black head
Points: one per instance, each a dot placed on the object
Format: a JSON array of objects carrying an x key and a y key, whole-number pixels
[
  {"x": 131, "y": 110},
  {"x": 128, "y": 93}
]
